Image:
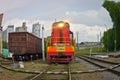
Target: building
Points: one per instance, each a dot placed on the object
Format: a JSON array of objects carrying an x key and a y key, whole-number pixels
[
  {"x": 36, "y": 29},
  {"x": 88, "y": 45},
  {"x": 22, "y": 29},
  {"x": 6, "y": 32}
]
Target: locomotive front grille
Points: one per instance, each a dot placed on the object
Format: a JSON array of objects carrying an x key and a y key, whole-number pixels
[
  {"x": 52, "y": 57},
  {"x": 60, "y": 54}
]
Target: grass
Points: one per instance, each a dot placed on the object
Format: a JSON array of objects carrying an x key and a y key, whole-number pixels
[
  {"x": 87, "y": 51},
  {"x": 10, "y": 75}
]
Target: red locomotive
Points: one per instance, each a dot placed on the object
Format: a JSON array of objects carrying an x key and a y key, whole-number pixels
[{"x": 61, "y": 45}]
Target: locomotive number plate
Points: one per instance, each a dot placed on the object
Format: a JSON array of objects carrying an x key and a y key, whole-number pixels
[{"x": 60, "y": 48}]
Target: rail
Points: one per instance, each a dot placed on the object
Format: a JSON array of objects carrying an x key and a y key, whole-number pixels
[
  {"x": 69, "y": 72},
  {"x": 110, "y": 69},
  {"x": 101, "y": 60},
  {"x": 38, "y": 75}
]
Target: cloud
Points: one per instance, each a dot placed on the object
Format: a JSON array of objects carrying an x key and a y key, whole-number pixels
[
  {"x": 18, "y": 23},
  {"x": 7, "y": 5},
  {"x": 77, "y": 13},
  {"x": 87, "y": 33},
  {"x": 86, "y": 18},
  {"x": 90, "y": 17}
]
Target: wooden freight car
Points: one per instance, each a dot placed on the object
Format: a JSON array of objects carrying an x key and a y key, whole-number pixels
[{"x": 25, "y": 45}]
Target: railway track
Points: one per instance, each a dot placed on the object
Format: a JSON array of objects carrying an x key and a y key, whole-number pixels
[
  {"x": 104, "y": 61},
  {"x": 69, "y": 73},
  {"x": 54, "y": 74},
  {"x": 38, "y": 75},
  {"x": 109, "y": 66},
  {"x": 63, "y": 71},
  {"x": 4, "y": 61},
  {"x": 113, "y": 65}
]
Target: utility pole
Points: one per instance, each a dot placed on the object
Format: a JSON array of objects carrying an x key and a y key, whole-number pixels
[
  {"x": 100, "y": 45},
  {"x": 77, "y": 41},
  {"x": 1, "y": 16},
  {"x": 43, "y": 48},
  {"x": 107, "y": 40},
  {"x": 98, "y": 40},
  {"x": 100, "y": 36},
  {"x": 115, "y": 41}
]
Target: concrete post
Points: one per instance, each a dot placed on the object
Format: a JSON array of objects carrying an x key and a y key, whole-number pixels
[{"x": 43, "y": 50}]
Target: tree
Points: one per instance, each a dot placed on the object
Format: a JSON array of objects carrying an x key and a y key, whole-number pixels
[
  {"x": 108, "y": 39},
  {"x": 4, "y": 44},
  {"x": 114, "y": 11}
]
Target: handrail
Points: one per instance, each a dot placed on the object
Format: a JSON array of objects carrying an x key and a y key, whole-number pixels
[{"x": 56, "y": 41}]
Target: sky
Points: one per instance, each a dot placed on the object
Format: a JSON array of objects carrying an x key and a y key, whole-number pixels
[{"x": 87, "y": 17}]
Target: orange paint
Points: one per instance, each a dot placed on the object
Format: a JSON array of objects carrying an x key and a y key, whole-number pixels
[
  {"x": 69, "y": 49},
  {"x": 51, "y": 49}
]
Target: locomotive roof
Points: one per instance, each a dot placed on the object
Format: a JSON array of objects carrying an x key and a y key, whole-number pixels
[{"x": 64, "y": 22}]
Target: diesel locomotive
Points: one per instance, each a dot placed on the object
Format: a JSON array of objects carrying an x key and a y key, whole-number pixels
[{"x": 61, "y": 43}]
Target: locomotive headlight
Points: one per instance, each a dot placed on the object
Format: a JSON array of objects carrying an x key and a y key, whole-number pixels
[{"x": 61, "y": 24}]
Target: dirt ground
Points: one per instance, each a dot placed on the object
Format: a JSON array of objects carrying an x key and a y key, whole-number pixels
[
  {"x": 10, "y": 75},
  {"x": 113, "y": 59},
  {"x": 39, "y": 65}
]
